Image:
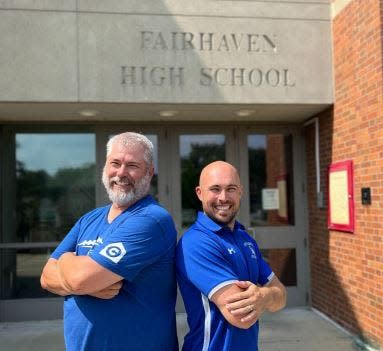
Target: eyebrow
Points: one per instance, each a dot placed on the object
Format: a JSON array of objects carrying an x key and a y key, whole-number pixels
[
  {"x": 224, "y": 186},
  {"x": 125, "y": 163}
]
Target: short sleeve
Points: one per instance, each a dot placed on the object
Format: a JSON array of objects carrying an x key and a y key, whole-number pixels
[
  {"x": 68, "y": 244},
  {"x": 137, "y": 243},
  {"x": 265, "y": 273},
  {"x": 202, "y": 261}
]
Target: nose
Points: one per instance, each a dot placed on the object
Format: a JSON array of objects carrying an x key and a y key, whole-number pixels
[
  {"x": 222, "y": 196},
  {"x": 122, "y": 171}
]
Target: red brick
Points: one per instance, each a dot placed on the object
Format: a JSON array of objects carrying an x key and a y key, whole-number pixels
[{"x": 347, "y": 269}]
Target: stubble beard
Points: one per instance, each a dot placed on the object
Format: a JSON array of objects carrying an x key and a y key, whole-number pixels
[{"x": 221, "y": 221}]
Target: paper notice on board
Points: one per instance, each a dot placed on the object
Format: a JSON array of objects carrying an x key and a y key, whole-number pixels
[
  {"x": 339, "y": 198},
  {"x": 270, "y": 199}
]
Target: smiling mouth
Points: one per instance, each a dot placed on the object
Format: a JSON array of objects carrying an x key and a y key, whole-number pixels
[
  {"x": 223, "y": 207},
  {"x": 122, "y": 185}
]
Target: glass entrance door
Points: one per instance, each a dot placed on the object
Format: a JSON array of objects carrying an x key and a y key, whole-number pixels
[
  {"x": 48, "y": 183},
  {"x": 269, "y": 161},
  {"x": 274, "y": 204},
  {"x": 52, "y": 176}
]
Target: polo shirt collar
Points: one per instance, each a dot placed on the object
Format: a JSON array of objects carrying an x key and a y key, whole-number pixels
[{"x": 209, "y": 224}]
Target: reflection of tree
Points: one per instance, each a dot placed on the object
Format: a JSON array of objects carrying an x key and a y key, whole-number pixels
[
  {"x": 73, "y": 192},
  {"x": 48, "y": 206},
  {"x": 257, "y": 177},
  {"x": 191, "y": 166},
  {"x": 31, "y": 188}
]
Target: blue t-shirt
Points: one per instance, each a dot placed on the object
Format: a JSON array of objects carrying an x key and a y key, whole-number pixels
[
  {"x": 138, "y": 245},
  {"x": 208, "y": 258}
]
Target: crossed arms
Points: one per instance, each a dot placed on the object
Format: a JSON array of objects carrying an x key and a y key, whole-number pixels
[
  {"x": 79, "y": 275},
  {"x": 243, "y": 303}
]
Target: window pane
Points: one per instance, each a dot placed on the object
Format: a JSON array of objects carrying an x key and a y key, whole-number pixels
[
  {"x": 21, "y": 276},
  {"x": 196, "y": 152},
  {"x": 283, "y": 264},
  {"x": 55, "y": 184},
  {"x": 270, "y": 179}
]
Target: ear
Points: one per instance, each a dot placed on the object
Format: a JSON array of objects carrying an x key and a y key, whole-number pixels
[
  {"x": 151, "y": 171},
  {"x": 198, "y": 191},
  {"x": 241, "y": 190}
]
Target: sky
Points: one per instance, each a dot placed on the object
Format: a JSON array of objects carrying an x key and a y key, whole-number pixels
[{"x": 50, "y": 152}]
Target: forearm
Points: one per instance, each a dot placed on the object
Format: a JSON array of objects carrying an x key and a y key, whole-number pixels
[
  {"x": 50, "y": 279},
  {"x": 70, "y": 271},
  {"x": 84, "y": 276},
  {"x": 275, "y": 296},
  {"x": 254, "y": 300},
  {"x": 220, "y": 299}
]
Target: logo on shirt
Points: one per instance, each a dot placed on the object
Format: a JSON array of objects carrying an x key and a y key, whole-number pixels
[
  {"x": 250, "y": 246},
  {"x": 231, "y": 250},
  {"x": 114, "y": 252},
  {"x": 90, "y": 243}
]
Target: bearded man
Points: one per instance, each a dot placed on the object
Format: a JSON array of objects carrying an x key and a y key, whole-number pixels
[{"x": 115, "y": 267}]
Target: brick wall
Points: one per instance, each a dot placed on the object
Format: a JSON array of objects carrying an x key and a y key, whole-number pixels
[{"x": 347, "y": 269}]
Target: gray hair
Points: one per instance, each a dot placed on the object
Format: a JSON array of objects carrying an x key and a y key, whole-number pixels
[{"x": 130, "y": 139}]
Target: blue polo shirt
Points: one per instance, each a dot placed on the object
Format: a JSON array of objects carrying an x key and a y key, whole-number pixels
[
  {"x": 138, "y": 245},
  {"x": 208, "y": 258}
]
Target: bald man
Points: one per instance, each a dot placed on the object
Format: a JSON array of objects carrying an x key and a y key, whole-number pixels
[{"x": 224, "y": 281}]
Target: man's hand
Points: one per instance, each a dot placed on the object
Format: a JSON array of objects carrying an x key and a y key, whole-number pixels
[
  {"x": 108, "y": 292},
  {"x": 254, "y": 300},
  {"x": 248, "y": 304}
]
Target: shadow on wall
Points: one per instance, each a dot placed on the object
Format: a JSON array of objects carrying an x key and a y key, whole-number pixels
[{"x": 328, "y": 259}]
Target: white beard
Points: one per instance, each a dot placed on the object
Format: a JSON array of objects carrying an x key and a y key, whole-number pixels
[{"x": 121, "y": 198}]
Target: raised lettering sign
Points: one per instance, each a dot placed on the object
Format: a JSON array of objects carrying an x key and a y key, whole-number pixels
[{"x": 226, "y": 43}]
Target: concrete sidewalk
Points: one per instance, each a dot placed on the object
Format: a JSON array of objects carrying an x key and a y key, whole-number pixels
[
  {"x": 301, "y": 329},
  {"x": 293, "y": 329}
]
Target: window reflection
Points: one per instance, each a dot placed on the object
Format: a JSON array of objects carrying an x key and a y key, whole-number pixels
[
  {"x": 196, "y": 152},
  {"x": 21, "y": 276},
  {"x": 283, "y": 264},
  {"x": 270, "y": 179},
  {"x": 55, "y": 184}
]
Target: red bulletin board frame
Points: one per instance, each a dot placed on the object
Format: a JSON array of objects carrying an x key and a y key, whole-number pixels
[{"x": 341, "y": 193}]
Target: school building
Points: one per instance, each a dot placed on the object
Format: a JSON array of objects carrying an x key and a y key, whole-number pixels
[{"x": 288, "y": 91}]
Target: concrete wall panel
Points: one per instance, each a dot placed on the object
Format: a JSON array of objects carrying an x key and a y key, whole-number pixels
[
  {"x": 258, "y": 52},
  {"x": 59, "y": 5},
  {"x": 38, "y": 60},
  {"x": 194, "y": 59},
  {"x": 307, "y": 9}
]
